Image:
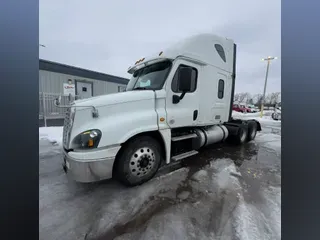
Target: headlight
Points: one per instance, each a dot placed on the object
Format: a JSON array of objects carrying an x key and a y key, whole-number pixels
[{"x": 88, "y": 139}]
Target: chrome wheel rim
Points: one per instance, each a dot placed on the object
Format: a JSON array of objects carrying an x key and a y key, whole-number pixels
[{"x": 142, "y": 162}]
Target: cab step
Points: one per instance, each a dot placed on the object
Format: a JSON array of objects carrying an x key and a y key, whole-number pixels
[
  {"x": 184, "y": 155},
  {"x": 183, "y": 137}
]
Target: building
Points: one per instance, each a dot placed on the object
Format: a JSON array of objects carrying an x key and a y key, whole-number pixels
[{"x": 56, "y": 79}]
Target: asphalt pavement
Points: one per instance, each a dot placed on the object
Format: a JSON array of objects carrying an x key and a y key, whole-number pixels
[{"x": 225, "y": 192}]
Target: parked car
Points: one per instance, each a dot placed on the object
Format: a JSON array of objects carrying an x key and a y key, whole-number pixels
[
  {"x": 253, "y": 108},
  {"x": 241, "y": 108},
  {"x": 276, "y": 115}
]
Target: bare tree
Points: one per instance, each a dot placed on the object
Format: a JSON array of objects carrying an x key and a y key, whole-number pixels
[
  {"x": 248, "y": 98},
  {"x": 242, "y": 97},
  {"x": 257, "y": 99},
  {"x": 267, "y": 100},
  {"x": 276, "y": 97},
  {"x": 250, "y": 101},
  {"x": 236, "y": 97}
]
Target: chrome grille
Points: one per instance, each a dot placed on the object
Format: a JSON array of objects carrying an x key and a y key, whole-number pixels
[{"x": 67, "y": 128}]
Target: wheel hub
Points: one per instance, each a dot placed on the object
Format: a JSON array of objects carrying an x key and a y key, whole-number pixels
[{"x": 142, "y": 161}]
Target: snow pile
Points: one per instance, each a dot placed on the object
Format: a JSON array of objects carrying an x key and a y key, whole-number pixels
[
  {"x": 52, "y": 134},
  {"x": 272, "y": 196},
  {"x": 266, "y": 118}
]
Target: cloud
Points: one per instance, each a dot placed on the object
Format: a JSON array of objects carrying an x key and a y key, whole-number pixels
[{"x": 109, "y": 36}]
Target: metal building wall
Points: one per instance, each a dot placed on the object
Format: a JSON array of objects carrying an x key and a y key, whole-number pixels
[{"x": 52, "y": 82}]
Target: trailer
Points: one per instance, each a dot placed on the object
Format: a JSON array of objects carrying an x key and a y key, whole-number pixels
[{"x": 177, "y": 101}]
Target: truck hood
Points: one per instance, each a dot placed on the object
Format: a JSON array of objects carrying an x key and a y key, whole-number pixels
[{"x": 115, "y": 98}]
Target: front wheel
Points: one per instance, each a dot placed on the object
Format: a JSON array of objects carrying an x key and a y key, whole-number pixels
[{"x": 139, "y": 161}]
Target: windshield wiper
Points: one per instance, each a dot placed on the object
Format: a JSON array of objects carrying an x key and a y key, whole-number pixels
[{"x": 139, "y": 88}]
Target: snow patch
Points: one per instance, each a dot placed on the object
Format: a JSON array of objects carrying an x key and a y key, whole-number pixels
[
  {"x": 273, "y": 198},
  {"x": 246, "y": 223},
  {"x": 199, "y": 176},
  {"x": 266, "y": 118},
  {"x": 269, "y": 140},
  {"x": 226, "y": 177},
  {"x": 184, "y": 195},
  {"x": 52, "y": 134}
]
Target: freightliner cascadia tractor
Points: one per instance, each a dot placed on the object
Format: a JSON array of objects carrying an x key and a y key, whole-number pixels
[{"x": 176, "y": 102}]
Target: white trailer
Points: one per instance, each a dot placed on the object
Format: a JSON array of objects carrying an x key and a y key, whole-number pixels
[{"x": 177, "y": 101}]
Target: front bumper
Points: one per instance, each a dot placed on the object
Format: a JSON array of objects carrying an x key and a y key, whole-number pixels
[{"x": 90, "y": 166}]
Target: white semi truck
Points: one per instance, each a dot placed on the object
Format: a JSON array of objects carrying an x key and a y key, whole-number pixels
[{"x": 176, "y": 102}]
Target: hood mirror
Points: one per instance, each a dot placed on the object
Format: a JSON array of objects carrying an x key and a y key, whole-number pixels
[{"x": 57, "y": 101}]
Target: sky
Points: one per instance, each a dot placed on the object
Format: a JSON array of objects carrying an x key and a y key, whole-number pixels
[{"x": 109, "y": 36}]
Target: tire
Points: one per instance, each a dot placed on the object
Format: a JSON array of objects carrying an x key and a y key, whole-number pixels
[
  {"x": 274, "y": 116},
  {"x": 241, "y": 136},
  {"x": 252, "y": 131},
  {"x": 142, "y": 150}
]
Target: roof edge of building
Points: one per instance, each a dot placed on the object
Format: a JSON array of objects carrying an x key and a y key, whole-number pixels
[{"x": 51, "y": 66}]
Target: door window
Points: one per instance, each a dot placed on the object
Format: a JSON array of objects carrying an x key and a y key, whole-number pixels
[{"x": 175, "y": 82}]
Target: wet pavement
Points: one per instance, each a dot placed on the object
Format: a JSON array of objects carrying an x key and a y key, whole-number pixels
[{"x": 225, "y": 192}]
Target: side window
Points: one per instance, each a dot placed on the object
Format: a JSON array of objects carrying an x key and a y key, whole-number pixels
[
  {"x": 220, "y": 89},
  {"x": 220, "y": 51},
  {"x": 175, "y": 82}
]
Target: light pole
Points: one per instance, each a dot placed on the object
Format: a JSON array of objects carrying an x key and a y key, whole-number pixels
[{"x": 269, "y": 59}]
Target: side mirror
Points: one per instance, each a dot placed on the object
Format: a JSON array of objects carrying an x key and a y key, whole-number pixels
[
  {"x": 184, "y": 79},
  {"x": 57, "y": 101}
]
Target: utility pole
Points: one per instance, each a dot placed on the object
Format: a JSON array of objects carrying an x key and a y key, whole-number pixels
[{"x": 269, "y": 59}]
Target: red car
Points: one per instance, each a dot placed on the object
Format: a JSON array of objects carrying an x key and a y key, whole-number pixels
[{"x": 241, "y": 108}]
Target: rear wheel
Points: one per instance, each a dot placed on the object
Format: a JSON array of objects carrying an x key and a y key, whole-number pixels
[
  {"x": 252, "y": 131},
  {"x": 241, "y": 136},
  {"x": 139, "y": 161}
]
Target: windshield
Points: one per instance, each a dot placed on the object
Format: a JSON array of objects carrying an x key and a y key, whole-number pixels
[{"x": 151, "y": 77}]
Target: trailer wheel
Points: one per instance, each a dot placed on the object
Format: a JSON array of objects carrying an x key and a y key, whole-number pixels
[
  {"x": 252, "y": 131},
  {"x": 241, "y": 136},
  {"x": 139, "y": 161}
]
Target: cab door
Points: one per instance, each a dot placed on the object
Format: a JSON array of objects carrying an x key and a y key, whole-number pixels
[{"x": 185, "y": 111}]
